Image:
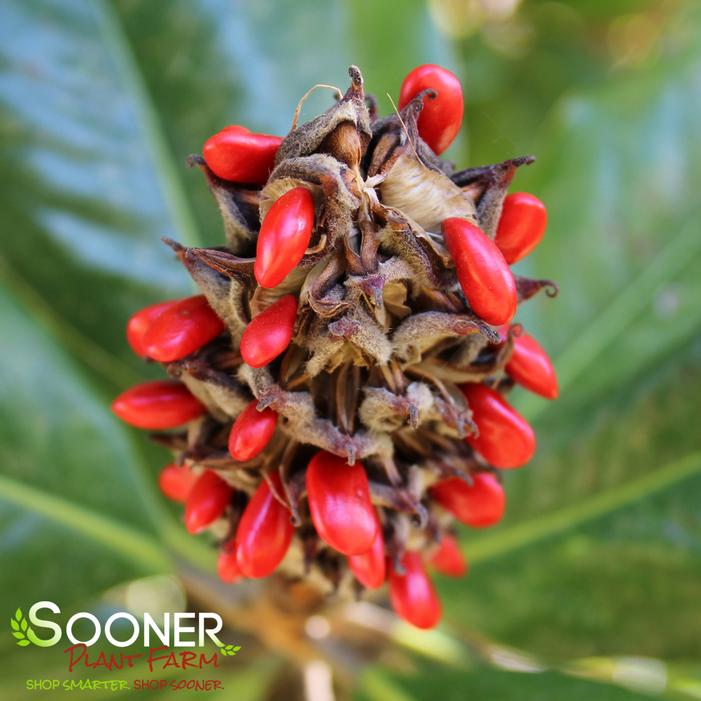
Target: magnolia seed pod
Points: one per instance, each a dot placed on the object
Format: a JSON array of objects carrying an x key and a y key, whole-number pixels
[{"x": 337, "y": 392}]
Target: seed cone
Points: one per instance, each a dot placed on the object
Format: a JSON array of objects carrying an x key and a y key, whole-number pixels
[{"x": 382, "y": 342}]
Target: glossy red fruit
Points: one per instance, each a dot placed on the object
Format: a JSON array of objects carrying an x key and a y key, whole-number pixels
[
  {"x": 264, "y": 532},
  {"x": 240, "y": 156},
  {"x": 530, "y": 367},
  {"x": 521, "y": 226},
  {"x": 483, "y": 274},
  {"x": 412, "y": 594},
  {"x": 284, "y": 236},
  {"x": 141, "y": 322},
  {"x": 182, "y": 329},
  {"x": 207, "y": 501},
  {"x": 227, "y": 565},
  {"x": 441, "y": 117},
  {"x": 176, "y": 481},
  {"x": 157, "y": 405},
  {"x": 269, "y": 333},
  {"x": 448, "y": 559},
  {"x": 479, "y": 504},
  {"x": 251, "y": 432},
  {"x": 505, "y": 438},
  {"x": 339, "y": 502},
  {"x": 369, "y": 568}
]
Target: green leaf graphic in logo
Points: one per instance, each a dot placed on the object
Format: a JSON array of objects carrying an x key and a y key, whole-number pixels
[
  {"x": 228, "y": 650},
  {"x": 21, "y": 629}
]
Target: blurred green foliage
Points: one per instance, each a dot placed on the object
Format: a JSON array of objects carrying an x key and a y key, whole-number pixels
[{"x": 100, "y": 103}]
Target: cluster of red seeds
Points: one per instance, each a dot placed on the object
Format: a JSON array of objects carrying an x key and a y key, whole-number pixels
[{"x": 338, "y": 495}]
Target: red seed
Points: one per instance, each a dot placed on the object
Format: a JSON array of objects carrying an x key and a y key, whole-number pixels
[
  {"x": 412, "y": 594},
  {"x": 479, "y": 504},
  {"x": 483, "y": 274},
  {"x": 227, "y": 566},
  {"x": 269, "y": 333},
  {"x": 176, "y": 481},
  {"x": 521, "y": 226},
  {"x": 448, "y": 559},
  {"x": 505, "y": 438},
  {"x": 339, "y": 502},
  {"x": 140, "y": 322},
  {"x": 157, "y": 405},
  {"x": 530, "y": 366},
  {"x": 441, "y": 117},
  {"x": 284, "y": 236},
  {"x": 251, "y": 432},
  {"x": 369, "y": 568},
  {"x": 207, "y": 501},
  {"x": 241, "y": 156},
  {"x": 264, "y": 532},
  {"x": 182, "y": 329}
]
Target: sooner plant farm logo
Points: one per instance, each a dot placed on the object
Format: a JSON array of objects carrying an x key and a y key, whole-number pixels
[{"x": 163, "y": 638}]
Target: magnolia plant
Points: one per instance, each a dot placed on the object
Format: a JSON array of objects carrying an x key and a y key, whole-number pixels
[{"x": 337, "y": 389}]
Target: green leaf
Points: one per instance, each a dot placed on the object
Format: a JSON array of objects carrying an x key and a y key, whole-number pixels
[
  {"x": 88, "y": 192},
  {"x": 85, "y": 184},
  {"x": 484, "y": 683},
  {"x": 598, "y": 553},
  {"x": 81, "y": 504},
  {"x": 13, "y": 624},
  {"x": 18, "y": 634},
  {"x": 23, "y": 643},
  {"x": 229, "y": 650}
]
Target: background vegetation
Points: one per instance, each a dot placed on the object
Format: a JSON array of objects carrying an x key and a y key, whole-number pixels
[{"x": 591, "y": 587}]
